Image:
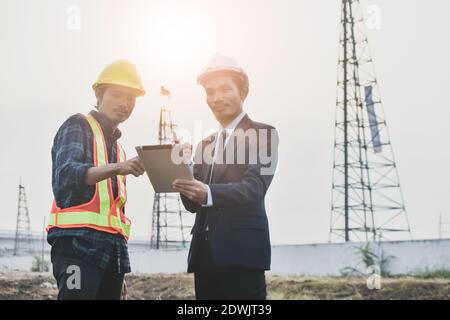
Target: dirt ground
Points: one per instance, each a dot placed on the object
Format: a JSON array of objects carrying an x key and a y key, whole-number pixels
[{"x": 180, "y": 286}]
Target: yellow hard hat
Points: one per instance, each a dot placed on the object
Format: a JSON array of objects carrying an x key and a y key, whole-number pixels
[{"x": 121, "y": 73}]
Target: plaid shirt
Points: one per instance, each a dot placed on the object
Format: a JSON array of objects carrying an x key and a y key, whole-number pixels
[{"x": 71, "y": 157}]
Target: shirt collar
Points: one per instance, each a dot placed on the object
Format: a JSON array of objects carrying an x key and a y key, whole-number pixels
[
  {"x": 107, "y": 128},
  {"x": 230, "y": 128}
]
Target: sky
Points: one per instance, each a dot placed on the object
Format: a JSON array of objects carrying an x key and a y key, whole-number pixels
[{"x": 52, "y": 51}]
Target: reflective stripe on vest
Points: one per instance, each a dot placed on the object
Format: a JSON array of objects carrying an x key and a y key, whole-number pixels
[{"x": 102, "y": 212}]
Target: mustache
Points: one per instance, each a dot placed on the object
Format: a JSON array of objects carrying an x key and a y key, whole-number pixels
[
  {"x": 122, "y": 109},
  {"x": 220, "y": 105}
]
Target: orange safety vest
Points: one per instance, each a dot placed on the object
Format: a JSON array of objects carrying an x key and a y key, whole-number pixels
[{"x": 102, "y": 212}]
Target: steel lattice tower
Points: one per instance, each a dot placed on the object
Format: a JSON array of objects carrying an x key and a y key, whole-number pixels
[
  {"x": 170, "y": 222},
  {"x": 367, "y": 201},
  {"x": 22, "y": 240}
]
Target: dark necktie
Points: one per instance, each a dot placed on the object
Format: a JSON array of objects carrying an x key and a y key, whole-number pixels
[{"x": 218, "y": 152}]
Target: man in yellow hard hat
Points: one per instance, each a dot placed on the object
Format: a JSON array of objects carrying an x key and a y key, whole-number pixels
[{"x": 88, "y": 229}]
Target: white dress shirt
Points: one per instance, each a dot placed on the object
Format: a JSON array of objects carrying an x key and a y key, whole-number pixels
[{"x": 229, "y": 129}]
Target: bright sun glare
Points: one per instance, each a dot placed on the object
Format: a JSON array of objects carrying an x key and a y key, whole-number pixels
[{"x": 178, "y": 35}]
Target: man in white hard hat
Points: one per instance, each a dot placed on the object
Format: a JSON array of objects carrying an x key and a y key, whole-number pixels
[{"x": 230, "y": 248}]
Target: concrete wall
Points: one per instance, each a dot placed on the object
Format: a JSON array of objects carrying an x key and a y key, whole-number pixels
[
  {"x": 330, "y": 259},
  {"x": 309, "y": 259}
]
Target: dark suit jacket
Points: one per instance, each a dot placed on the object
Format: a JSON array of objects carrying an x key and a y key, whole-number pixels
[{"x": 237, "y": 221}]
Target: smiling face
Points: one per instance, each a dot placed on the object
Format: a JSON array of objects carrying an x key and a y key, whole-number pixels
[
  {"x": 116, "y": 103},
  {"x": 224, "y": 98}
]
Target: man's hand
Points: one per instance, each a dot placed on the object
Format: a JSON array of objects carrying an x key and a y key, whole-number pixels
[
  {"x": 133, "y": 166},
  {"x": 194, "y": 190},
  {"x": 96, "y": 174}
]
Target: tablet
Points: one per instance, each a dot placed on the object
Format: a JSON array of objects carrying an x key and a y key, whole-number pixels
[{"x": 160, "y": 168}]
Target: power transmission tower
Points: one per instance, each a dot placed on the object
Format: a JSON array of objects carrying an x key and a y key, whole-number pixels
[
  {"x": 22, "y": 240},
  {"x": 367, "y": 200},
  {"x": 170, "y": 222}
]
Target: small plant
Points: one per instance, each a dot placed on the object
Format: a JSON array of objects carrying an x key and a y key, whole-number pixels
[
  {"x": 369, "y": 259},
  {"x": 39, "y": 264}
]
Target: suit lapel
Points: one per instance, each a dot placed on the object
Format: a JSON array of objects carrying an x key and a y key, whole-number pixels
[{"x": 219, "y": 170}]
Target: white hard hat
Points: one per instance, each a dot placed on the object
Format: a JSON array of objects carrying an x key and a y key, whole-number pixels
[{"x": 221, "y": 63}]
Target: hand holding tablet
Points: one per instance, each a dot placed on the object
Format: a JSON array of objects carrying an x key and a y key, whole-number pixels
[{"x": 164, "y": 164}]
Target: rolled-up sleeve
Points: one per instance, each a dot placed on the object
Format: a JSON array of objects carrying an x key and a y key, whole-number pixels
[{"x": 69, "y": 157}]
